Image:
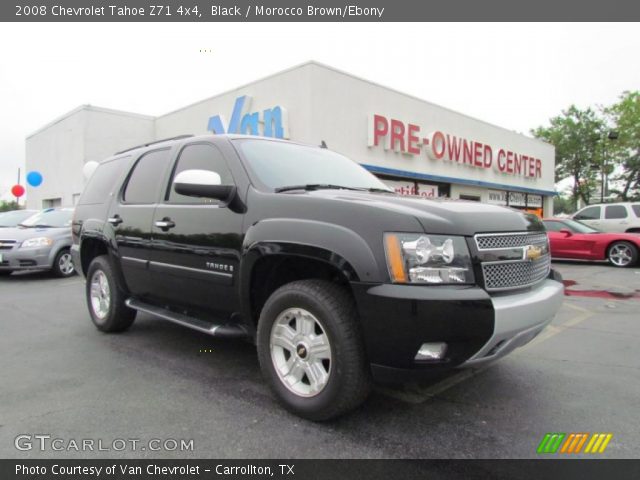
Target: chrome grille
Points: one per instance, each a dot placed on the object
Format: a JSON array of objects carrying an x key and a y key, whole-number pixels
[
  {"x": 512, "y": 274},
  {"x": 509, "y": 240}
]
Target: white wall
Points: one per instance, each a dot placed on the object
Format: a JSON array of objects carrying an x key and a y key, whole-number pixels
[
  {"x": 342, "y": 100},
  {"x": 321, "y": 104},
  {"x": 60, "y": 150}
]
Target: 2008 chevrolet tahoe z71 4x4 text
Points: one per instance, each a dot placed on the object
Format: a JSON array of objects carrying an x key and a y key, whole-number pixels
[{"x": 337, "y": 279}]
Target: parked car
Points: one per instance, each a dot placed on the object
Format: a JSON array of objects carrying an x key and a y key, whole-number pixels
[
  {"x": 611, "y": 217},
  {"x": 40, "y": 242},
  {"x": 13, "y": 217},
  {"x": 571, "y": 239},
  {"x": 336, "y": 278}
]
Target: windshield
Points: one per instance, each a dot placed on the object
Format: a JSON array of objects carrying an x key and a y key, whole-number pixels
[
  {"x": 13, "y": 218},
  {"x": 49, "y": 218},
  {"x": 579, "y": 227},
  {"x": 279, "y": 164}
]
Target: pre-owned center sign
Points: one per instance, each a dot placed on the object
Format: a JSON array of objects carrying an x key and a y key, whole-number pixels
[{"x": 396, "y": 135}]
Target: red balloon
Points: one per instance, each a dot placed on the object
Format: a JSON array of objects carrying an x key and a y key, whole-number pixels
[{"x": 17, "y": 191}]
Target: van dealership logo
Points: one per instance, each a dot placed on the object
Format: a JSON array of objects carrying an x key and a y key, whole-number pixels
[
  {"x": 574, "y": 443},
  {"x": 272, "y": 122}
]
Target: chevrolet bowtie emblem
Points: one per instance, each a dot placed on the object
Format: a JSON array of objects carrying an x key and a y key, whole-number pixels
[{"x": 532, "y": 252}]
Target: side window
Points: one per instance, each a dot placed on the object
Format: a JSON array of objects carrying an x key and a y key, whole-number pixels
[
  {"x": 145, "y": 180},
  {"x": 102, "y": 182},
  {"x": 591, "y": 213},
  {"x": 615, "y": 211},
  {"x": 553, "y": 226},
  {"x": 199, "y": 156},
  {"x": 636, "y": 209}
]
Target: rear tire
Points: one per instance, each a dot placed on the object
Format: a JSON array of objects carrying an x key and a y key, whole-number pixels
[
  {"x": 325, "y": 372},
  {"x": 63, "y": 264},
  {"x": 622, "y": 254},
  {"x": 5, "y": 273},
  {"x": 105, "y": 298}
]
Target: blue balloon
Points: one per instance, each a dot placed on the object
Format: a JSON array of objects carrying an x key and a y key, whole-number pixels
[{"x": 34, "y": 178}]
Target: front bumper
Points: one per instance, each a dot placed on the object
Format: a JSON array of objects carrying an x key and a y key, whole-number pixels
[
  {"x": 26, "y": 258},
  {"x": 477, "y": 327}
]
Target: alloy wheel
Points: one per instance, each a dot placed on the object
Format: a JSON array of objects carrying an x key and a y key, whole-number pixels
[{"x": 300, "y": 352}]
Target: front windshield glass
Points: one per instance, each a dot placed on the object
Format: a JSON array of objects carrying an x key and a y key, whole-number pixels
[
  {"x": 49, "y": 218},
  {"x": 279, "y": 164},
  {"x": 11, "y": 219},
  {"x": 579, "y": 227}
]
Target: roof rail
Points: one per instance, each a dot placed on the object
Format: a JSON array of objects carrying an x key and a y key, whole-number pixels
[{"x": 179, "y": 137}]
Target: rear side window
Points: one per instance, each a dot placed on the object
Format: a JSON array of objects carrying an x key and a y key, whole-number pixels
[
  {"x": 145, "y": 180},
  {"x": 636, "y": 209},
  {"x": 591, "y": 213},
  {"x": 200, "y": 156},
  {"x": 615, "y": 211},
  {"x": 554, "y": 226},
  {"x": 103, "y": 181}
]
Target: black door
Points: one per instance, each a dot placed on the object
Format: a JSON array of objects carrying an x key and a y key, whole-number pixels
[
  {"x": 196, "y": 242},
  {"x": 131, "y": 217}
]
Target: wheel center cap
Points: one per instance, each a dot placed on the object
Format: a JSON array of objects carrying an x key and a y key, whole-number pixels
[{"x": 301, "y": 350}]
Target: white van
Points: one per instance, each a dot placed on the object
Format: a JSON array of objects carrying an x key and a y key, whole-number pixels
[{"x": 611, "y": 217}]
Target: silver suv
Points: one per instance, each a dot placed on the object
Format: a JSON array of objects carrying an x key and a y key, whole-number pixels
[
  {"x": 40, "y": 242},
  {"x": 611, "y": 217}
]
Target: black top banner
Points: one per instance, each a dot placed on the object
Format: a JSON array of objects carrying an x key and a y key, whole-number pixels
[{"x": 316, "y": 10}]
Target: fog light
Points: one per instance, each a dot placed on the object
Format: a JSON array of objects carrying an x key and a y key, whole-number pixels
[{"x": 432, "y": 351}]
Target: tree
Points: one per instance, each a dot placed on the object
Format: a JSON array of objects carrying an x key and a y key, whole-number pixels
[
  {"x": 578, "y": 136},
  {"x": 7, "y": 206},
  {"x": 562, "y": 205},
  {"x": 626, "y": 116}
]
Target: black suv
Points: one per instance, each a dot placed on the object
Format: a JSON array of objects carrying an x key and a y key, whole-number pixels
[{"x": 337, "y": 279}]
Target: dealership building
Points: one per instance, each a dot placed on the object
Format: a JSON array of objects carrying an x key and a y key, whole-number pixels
[{"x": 414, "y": 146}]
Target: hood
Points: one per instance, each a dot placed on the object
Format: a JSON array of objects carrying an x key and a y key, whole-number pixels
[
  {"x": 21, "y": 234},
  {"x": 446, "y": 216}
]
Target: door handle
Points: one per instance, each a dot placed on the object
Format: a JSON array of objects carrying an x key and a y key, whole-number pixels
[
  {"x": 115, "y": 220},
  {"x": 165, "y": 224}
]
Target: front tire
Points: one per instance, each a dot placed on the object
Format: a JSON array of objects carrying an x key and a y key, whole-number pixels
[
  {"x": 311, "y": 350},
  {"x": 5, "y": 273},
  {"x": 622, "y": 254},
  {"x": 63, "y": 264},
  {"x": 105, "y": 298}
]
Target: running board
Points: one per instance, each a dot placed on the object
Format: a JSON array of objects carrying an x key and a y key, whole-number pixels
[{"x": 187, "y": 321}]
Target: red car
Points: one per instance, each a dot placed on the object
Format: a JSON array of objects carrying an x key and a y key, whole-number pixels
[{"x": 574, "y": 240}]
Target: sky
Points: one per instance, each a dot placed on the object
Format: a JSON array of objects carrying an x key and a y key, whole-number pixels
[{"x": 515, "y": 75}]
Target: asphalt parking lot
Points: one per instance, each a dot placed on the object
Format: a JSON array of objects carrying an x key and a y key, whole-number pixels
[{"x": 61, "y": 377}]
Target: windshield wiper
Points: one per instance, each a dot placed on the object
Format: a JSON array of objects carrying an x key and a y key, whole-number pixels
[
  {"x": 39, "y": 225},
  {"x": 316, "y": 186}
]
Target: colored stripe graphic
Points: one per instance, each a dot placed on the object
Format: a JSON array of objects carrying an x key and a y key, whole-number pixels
[
  {"x": 551, "y": 442},
  {"x": 598, "y": 443},
  {"x": 574, "y": 442}
]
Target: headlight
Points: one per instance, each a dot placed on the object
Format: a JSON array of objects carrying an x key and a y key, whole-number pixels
[
  {"x": 432, "y": 259},
  {"x": 37, "y": 242}
]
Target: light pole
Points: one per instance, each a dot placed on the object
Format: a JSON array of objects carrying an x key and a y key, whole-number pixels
[{"x": 604, "y": 185}]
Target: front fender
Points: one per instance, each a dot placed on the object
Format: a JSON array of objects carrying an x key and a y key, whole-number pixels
[{"x": 346, "y": 249}]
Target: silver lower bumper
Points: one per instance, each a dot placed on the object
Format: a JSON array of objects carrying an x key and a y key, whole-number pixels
[{"x": 518, "y": 319}]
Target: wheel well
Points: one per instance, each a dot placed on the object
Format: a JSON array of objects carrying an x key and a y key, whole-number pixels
[
  {"x": 91, "y": 248},
  {"x": 633, "y": 230},
  {"x": 272, "y": 272}
]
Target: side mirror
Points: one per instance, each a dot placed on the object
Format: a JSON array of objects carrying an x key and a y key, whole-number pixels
[
  {"x": 566, "y": 232},
  {"x": 202, "y": 183}
]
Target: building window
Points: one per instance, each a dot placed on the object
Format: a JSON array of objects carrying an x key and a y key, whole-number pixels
[
  {"x": 51, "y": 202},
  {"x": 473, "y": 198}
]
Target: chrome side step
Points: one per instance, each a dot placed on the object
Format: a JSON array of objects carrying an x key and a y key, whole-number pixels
[{"x": 234, "y": 331}]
